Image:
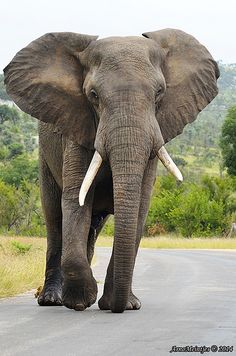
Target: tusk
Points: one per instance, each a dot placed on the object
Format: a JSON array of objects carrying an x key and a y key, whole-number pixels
[
  {"x": 89, "y": 177},
  {"x": 165, "y": 158}
]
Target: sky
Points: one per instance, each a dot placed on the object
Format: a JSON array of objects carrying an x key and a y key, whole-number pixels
[{"x": 212, "y": 22}]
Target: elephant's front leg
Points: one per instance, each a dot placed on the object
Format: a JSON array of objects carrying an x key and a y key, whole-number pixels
[
  {"x": 104, "y": 302},
  {"x": 147, "y": 185},
  {"x": 79, "y": 289}
]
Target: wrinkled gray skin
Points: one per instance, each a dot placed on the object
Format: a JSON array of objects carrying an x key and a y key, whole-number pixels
[{"x": 124, "y": 97}]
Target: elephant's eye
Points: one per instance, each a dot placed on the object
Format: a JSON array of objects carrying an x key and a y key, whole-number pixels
[
  {"x": 93, "y": 94},
  {"x": 158, "y": 94},
  {"x": 93, "y": 97},
  {"x": 159, "y": 91}
]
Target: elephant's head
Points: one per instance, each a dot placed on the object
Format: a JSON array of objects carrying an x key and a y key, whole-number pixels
[{"x": 125, "y": 98}]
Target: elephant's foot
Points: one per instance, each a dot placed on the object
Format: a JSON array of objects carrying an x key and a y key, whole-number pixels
[
  {"x": 50, "y": 295},
  {"x": 133, "y": 303},
  {"x": 79, "y": 294}
]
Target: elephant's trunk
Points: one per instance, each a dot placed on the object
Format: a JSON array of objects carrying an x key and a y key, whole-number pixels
[
  {"x": 128, "y": 154},
  {"x": 127, "y": 190}
]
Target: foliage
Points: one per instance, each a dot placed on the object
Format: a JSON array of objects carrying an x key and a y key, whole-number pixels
[
  {"x": 20, "y": 210},
  {"x": 192, "y": 209},
  {"x": 108, "y": 229},
  {"x": 179, "y": 161},
  {"x": 17, "y": 130},
  {"x": 161, "y": 208},
  {"x": 196, "y": 214},
  {"x": 228, "y": 141},
  {"x": 3, "y": 94},
  {"x": 20, "y": 248},
  {"x": 18, "y": 169},
  {"x": 7, "y": 204}
]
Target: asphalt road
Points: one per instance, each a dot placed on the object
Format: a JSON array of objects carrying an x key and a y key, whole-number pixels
[{"x": 188, "y": 298}]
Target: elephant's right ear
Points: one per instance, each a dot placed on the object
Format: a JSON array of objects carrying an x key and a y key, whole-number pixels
[{"x": 45, "y": 80}]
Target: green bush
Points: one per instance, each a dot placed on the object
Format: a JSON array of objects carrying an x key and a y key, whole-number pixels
[
  {"x": 160, "y": 210},
  {"x": 197, "y": 215},
  {"x": 20, "y": 248},
  {"x": 18, "y": 169},
  {"x": 108, "y": 228},
  {"x": 192, "y": 209},
  {"x": 20, "y": 210},
  {"x": 8, "y": 203}
]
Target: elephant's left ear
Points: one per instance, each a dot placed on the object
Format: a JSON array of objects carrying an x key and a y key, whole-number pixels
[
  {"x": 45, "y": 79},
  {"x": 190, "y": 73}
]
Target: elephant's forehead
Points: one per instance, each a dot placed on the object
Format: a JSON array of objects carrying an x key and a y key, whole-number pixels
[{"x": 124, "y": 46}]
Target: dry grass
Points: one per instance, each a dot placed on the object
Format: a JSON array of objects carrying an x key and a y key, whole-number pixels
[
  {"x": 193, "y": 243},
  {"x": 21, "y": 272},
  {"x": 174, "y": 242}
]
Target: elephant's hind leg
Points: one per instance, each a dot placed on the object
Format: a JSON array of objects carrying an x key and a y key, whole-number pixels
[
  {"x": 51, "y": 202},
  {"x": 97, "y": 223}
]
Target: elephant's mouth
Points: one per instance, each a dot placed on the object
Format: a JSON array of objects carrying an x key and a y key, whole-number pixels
[{"x": 96, "y": 162}]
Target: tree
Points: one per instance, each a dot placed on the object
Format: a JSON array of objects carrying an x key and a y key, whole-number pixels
[
  {"x": 179, "y": 161},
  {"x": 18, "y": 131},
  {"x": 8, "y": 202},
  {"x": 9, "y": 113},
  {"x": 18, "y": 169},
  {"x": 3, "y": 94},
  {"x": 228, "y": 141},
  {"x": 20, "y": 210}
]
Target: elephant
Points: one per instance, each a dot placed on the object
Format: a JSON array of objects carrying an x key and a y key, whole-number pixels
[{"x": 106, "y": 107}]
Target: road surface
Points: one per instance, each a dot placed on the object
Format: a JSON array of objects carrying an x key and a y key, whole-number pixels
[{"x": 188, "y": 299}]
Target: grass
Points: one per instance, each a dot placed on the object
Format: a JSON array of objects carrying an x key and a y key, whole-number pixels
[
  {"x": 193, "y": 243},
  {"x": 21, "y": 266},
  {"x": 195, "y": 162},
  {"x": 173, "y": 242},
  {"x": 22, "y": 259}
]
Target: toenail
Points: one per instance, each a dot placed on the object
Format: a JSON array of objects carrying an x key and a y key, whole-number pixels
[{"x": 79, "y": 307}]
